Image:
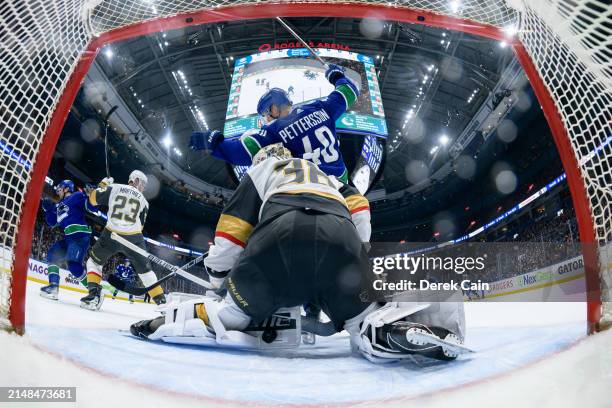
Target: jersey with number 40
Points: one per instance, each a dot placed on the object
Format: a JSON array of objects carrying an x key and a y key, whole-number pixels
[
  {"x": 309, "y": 132},
  {"x": 127, "y": 208}
]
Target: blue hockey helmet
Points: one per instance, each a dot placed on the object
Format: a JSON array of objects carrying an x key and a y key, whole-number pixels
[
  {"x": 275, "y": 96},
  {"x": 65, "y": 184}
]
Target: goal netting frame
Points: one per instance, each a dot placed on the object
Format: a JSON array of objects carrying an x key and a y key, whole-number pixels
[{"x": 47, "y": 47}]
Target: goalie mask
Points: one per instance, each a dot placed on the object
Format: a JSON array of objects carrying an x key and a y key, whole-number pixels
[{"x": 274, "y": 150}]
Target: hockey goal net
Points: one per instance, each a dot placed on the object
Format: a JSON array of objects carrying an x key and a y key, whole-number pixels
[{"x": 46, "y": 47}]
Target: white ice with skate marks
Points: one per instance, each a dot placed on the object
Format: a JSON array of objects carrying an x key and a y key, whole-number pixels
[{"x": 505, "y": 336}]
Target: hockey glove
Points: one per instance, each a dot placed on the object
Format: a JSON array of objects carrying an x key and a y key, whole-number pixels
[
  {"x": 334, "y": 73},
  {"x": 216, "y": 278},
  {"x": 105, "y": 182},
  {"x": 48, "y": 205},
  {"x": 89, "y": 187},
  {"x": 208, "y": 140}
]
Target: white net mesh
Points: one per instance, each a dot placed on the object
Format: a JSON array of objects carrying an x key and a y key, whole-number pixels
[
  {"x": 567, "y": 43},
  {"x": 41, "y": 42},
  {"x": 117, "y": 13}
]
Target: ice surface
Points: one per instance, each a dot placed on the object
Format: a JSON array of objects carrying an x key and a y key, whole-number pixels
[
  {"x": 300, "y": 90},
  {"x": 505, "y": 335}
]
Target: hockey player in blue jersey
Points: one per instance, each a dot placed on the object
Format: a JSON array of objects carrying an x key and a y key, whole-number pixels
[
  {"x": 69, "y": 214},
  {"x": 308, "y": 130},
  {"x": 126, "y": 273}
]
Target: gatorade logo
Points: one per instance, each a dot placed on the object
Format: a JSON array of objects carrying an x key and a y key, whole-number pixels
[
  {"x": 38, "y": 268},
  {"x": 570, "y": 267}
]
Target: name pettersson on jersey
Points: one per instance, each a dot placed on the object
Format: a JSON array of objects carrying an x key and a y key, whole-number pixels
[{"x": 303, "y": 124}]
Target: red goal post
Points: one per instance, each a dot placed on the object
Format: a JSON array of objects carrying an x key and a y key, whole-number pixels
[{"x": 47, "y": 47}]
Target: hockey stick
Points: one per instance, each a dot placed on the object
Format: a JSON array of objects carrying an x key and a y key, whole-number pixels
[
  {"x": 139, "y": 290},
  {"x": 297, "y": 37},
  {"x": 160, "y": 262},
  {"x": 135, "y": 290},
  {"x": 110, "y": 112}
]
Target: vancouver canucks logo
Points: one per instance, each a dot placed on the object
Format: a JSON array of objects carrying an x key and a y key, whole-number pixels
[
  {"x": 348, "y": 120},
  {"x": 62, "y": 211}
]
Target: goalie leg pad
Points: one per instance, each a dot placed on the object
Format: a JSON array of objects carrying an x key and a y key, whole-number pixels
[
  {"x": 181, "y": 320},
  {"x": 370, "y": 331},
  {"x": 362, "y": 329},
  {"x": 201, "y": 317},
  {"x": 220, "y": 322},
  {"x": 447, "y": 315}
]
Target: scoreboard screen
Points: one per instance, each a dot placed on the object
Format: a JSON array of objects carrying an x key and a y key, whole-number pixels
[{"x": 303, "y": 77}]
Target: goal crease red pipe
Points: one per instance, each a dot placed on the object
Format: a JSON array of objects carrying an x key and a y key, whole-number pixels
[
  {"x": 580, "y": 199},
  {"x": 259, "y": 11}
]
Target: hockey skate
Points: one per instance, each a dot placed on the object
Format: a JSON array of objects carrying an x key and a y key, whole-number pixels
[
  {"x": 50, "y": 292},
  {"x": 160, "y": 302},
  {"x": 392, "y": 332},
  {"x": 160, "y": 299},
  {"x": 94, "y": 300},
  {"x": 415, "y": 338},
  {"x": 145, "y": 328},
  {"x": 308, "y": 338},
  {"x": 312, "y": 312}
]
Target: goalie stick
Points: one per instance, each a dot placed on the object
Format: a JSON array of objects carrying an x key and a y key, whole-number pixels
[{"x": 175, "y": 269}]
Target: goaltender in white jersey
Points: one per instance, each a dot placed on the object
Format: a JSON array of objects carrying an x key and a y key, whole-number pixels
[
  {"x": 277, "y": 186},
  {"x": 127, "y": 213},
  {"x": 289, "y": 235}
]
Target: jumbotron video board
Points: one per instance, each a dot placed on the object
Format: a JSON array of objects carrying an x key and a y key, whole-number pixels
[{"x": 303, "y": 77}]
